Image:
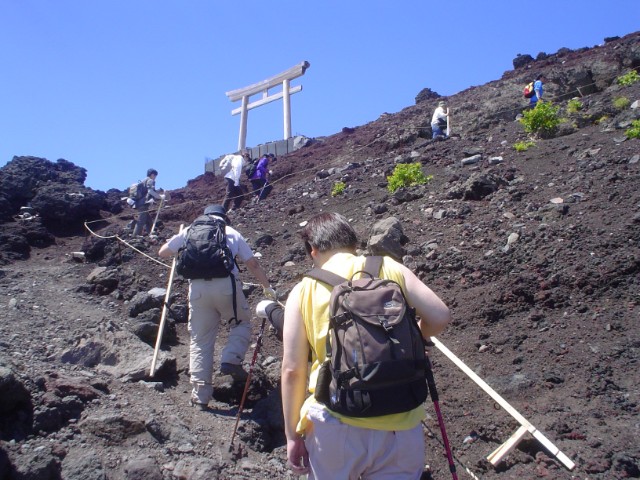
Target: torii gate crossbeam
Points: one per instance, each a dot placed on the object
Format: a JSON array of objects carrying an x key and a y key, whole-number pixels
[{"x": 263, "y": 87}]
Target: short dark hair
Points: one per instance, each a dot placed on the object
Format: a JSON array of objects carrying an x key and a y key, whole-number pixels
[
  {"x": 329, "y": 231},
  {"x": 152, "y": 171}
]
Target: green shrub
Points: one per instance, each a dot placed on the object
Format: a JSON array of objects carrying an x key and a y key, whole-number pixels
[
  {"x": 574, "y": 105},
  {"x": 621, "y": 103},
  {"x": 523, "y": 146},
  {"x": 634, "y": 130},
  {"x": 406, "y": 175},
  {"x": 602, "y": 119},
  {"x": 541, "y": 120},
  {"x": 338, "y": 189},
  {"x": 628, "y": 78}
]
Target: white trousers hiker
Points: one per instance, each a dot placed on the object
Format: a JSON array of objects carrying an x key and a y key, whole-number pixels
[{"x": 210, "y": 302}]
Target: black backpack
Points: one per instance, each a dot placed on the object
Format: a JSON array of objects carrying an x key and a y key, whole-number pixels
[
  {"x": 251, "y": 168},
  {"x": 206, "y": 254},
  {"x": 376, "y": 362}
]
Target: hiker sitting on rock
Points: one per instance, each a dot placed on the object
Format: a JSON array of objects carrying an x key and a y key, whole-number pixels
[{"x": 319, "y": 440}]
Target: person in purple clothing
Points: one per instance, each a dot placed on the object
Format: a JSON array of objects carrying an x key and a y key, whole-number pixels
[{"x": 259, "y": 179}]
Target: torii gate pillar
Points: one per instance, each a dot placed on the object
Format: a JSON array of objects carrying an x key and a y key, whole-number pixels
[{"x": 263, "y": 87}]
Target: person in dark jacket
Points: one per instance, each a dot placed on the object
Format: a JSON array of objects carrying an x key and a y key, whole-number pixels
[{"x": 259, "y": 179}]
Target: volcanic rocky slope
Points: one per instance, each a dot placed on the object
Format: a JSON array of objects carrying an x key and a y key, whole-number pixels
[{"x": 537, "y": 253}]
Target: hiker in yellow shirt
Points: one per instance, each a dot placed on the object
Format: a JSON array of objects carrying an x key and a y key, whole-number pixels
[{"x": 321, "y": 442}]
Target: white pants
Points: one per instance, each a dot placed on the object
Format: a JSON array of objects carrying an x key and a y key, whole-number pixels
[
  {"x": 211, "y": 301},
  {"x": 337, "y": 450}
]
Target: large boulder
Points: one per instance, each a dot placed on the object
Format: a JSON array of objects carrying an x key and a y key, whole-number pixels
[{"x": 54, "y": 191}]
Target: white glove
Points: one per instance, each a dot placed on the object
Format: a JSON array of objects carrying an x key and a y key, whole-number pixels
[
  {"x": 162, "y": 196},
  {"x": 261, "y": 308},
  {"x": 270, "y": 293}
]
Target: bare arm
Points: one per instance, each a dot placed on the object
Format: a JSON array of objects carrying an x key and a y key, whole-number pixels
[
  {"x": 294, "y": 379},
  {"x": 434, "y": 314},
  {"x": 257, "y": 271}
]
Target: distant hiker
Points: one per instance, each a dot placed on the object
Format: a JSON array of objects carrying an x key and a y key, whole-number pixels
[
  {"x": 259, "y": 179},
  {"x": 232, "y": 178},
  {"x": 439, "y": 121},
  {"x": 143, "y": 224},
  {"x": 319, "y": 440},
  {"x": 215, "y": 295},
  {"x": 538, "y": 89}
]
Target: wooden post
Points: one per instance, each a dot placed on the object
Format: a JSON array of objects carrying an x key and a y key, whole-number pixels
[
  {"x": 163, "y": 318},
  {"x": 506, "y": 447}
]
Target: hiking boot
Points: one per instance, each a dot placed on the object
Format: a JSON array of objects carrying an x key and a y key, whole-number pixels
[{"x": 236, "y": 371}]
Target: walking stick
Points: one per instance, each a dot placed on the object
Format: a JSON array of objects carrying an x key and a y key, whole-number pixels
[
  {"x": 163, "y": 317},
  {"x": 448, "y": 132},
  {"x": 157, "y": 215},
  {"x": 434, "y": 397},
  {"x": 246, "y": 384}
]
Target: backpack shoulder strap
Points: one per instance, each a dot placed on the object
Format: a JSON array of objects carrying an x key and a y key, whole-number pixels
[
  {"x": 373, "y": 264},
  {"x": 325, "y": 276}
]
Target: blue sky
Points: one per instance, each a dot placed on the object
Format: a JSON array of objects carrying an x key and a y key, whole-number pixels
[{"x": 119, "y": 86}]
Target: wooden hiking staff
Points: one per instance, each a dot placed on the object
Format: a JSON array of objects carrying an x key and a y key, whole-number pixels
[
  {"x": 163, "y": 318},
  {"x": 448, "y": 132},
  {"x": 153, "y": 227}
]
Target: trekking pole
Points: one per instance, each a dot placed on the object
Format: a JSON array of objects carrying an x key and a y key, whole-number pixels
[
  {"x": 157, "y": 215},
  {"x": 246, "y": 384},
  {"x": 262, "y": 190},
  {"x": 434, "y": 397},
  {"x": 471, "y": 474},
  {"x": 448, "y": 132},
  {"x": 163, "y": 318}
]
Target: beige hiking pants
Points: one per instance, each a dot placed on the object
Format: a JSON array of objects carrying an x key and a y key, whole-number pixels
[
  {"x": 210, "y": 302},
  {"x": 337, "y": 450}
]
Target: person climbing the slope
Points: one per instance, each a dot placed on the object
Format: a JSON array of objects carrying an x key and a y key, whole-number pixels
[{"x": 439, "y": 121}]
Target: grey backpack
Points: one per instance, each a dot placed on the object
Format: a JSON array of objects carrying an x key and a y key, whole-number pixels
[{"x": 376, "y": 362}]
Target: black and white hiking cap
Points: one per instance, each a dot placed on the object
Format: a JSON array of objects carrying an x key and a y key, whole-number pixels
[{"x": 217, "y": 210}]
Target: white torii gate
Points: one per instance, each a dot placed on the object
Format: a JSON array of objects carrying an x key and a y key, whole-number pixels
[{"x": 263, "y": 87}]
